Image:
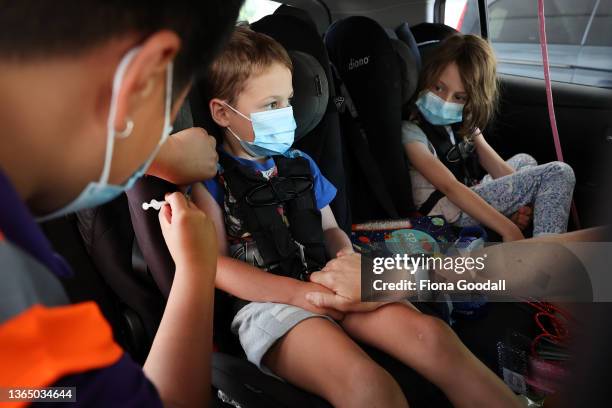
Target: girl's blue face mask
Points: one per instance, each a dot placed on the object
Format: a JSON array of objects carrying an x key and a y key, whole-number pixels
[
  {"x": 101, "y": 191},
  {"x": 274, "y": 131},
  {"x": 437, "y": 111}
]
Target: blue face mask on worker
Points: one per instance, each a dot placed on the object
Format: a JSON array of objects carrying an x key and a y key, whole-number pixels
[
  {"x": 437, "y": 111},
  {"x": 274, "y": 131},
  {"x": 100, "y": 192}
]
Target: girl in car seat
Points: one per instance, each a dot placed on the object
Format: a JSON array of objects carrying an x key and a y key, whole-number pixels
[
  {"x": 445, "y": 147},
  {"x": 264, "y": 263}
]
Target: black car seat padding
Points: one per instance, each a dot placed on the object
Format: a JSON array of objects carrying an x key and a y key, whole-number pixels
[
  {"x": 404, "y": 34},
  {"x": 310, "y": 92},
  {"x": 371, "y": 72},
  {"x": 428, "y": 35}
]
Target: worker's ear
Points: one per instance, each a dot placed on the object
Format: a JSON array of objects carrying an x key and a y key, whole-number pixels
[{"x": 144, "y": 73}]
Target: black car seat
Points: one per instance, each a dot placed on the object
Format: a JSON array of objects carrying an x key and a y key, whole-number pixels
[
  {"x": 426, "y": 36},
  {"x": 375, "y": 75}
]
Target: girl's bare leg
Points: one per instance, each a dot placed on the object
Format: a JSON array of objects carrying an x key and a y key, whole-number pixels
[
  {"x": 430, "y": 347},
  {"x": 318, "y": 356}
]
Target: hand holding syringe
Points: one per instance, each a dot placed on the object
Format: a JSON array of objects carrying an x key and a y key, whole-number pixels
[{"x": 156, "y": 205}]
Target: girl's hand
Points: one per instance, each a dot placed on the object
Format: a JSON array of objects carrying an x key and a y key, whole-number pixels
[
  {"x": 190, "y": 235},
  {"x": 522, "y": 218},
  {"x": 513, "y": 234}
]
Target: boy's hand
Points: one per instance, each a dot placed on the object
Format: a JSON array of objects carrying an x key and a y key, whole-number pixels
[
  {"x": 189, "y": 234},
  {"x": 299, "y": 299}
]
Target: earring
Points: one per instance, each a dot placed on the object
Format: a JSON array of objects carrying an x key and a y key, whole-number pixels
[{"x": 129, "y": 126}]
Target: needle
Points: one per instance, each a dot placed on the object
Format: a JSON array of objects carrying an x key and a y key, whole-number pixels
[{"x": 156, "y": 205}]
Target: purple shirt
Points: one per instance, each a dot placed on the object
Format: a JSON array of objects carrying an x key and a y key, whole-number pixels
[{"x": 121, "y": 384}]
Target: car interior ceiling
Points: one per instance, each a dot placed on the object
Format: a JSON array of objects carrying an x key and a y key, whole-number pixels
[{"x": 121, "y": 261}]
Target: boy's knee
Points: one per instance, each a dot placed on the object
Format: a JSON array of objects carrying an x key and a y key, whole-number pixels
[
  {"x": 368, "y": 382},
  {"x": 434, "y": 335}
]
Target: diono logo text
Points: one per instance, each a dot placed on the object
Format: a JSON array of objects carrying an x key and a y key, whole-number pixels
[{"x": 355, "y": 63}]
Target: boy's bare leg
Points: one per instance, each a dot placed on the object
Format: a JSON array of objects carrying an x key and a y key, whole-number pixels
[
  {"x": 430, "y": 347},
  {"x": 318, "y": 356}
]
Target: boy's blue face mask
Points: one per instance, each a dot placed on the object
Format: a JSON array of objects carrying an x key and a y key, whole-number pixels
[
  {"x": 438, "y": 111},
  {"x": 274, "y": 131},
  {"x": 100, "y": 192}
]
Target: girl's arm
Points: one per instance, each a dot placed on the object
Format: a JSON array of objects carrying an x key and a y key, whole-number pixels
[
  {"x": 460, "y": 195},
  {"x": 336, "y": 240},
  {"x": 246, "y": 281},
  {"x": 489, "y": 159}
]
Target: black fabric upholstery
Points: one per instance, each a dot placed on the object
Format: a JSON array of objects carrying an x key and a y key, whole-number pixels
[
  {"x": 371, "y": 70},
  {"x": 428, "y": 35}
]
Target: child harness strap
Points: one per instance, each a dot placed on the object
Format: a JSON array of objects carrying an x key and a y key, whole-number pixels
[
  {"x": 280, "y": 213},
  {"x": 459, "y": 158}
]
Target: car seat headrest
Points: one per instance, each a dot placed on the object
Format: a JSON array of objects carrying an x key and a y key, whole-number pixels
[
  {"x": 286, "y": 10},
  {"x": 366, "y": 54},
  {"x": 405, "y": 35},
  {"x": 310, "y": 90},
  {"x": 311, "y": 74},
  {"x": 317, "y": 18},
  {"x": 409, "y": 69},
  {"x": 429, "y": 35}
]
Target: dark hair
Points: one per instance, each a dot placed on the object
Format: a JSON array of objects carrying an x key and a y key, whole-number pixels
[{"x": 34, "y": 29}]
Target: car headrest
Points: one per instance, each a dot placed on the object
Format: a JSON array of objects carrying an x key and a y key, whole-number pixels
[
  {"x": 409, "y": 68},
  {"x": 310, "y": 90},
  {"x": 286, "y": 10},
  {"x": 317, "y": 18},
  {"x": 371, "y": 61},
  {"x": 429, "y": 35},
  {"x": 405, "y": 35},
  {"x": 310, "y": 66}
]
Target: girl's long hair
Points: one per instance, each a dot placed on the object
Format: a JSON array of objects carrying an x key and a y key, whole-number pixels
[{"x": 477, "y": 67}]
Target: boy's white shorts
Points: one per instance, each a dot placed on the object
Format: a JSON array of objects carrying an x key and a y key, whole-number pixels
[{"x": 260, "y": 325}]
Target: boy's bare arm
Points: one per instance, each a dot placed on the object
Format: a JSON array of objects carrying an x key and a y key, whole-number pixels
[{"x": 336, "y": 240}]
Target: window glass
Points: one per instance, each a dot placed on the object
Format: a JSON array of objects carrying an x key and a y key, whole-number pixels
[
  {"x": 600, "y": 33},
  {"x": 579, "y": 35},
  {"x": 253, "y": 10},
  {"x": 462, "y": 15}
]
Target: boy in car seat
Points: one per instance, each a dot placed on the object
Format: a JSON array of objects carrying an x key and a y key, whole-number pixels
[
  {"x": 270, "y": 205},
  {"x": 445, "y": 147}
]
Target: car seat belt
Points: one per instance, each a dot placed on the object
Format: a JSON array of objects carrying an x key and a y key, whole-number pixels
[
  {"x": 549, "y": 98},
  {"x": 360, "y": 148}
]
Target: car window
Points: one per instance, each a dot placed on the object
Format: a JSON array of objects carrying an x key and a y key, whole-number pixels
[
  {"x": 462, "y": 15},
  {"x": 517, "y": 21},
  {"x": 600, "y": 33},
  {"x": 253, "y": 10},
  {"x": 579, "y": 35}
]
